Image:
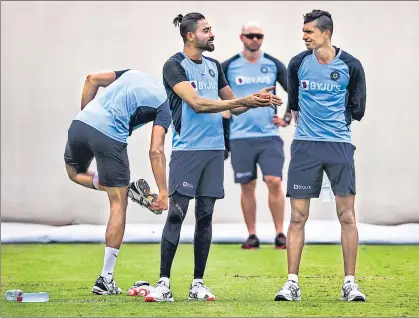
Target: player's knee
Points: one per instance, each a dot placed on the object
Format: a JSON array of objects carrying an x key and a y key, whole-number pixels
[
  {"x": 346, "y": 216},
  {"x": 175, "y": 217},
  {"x": 298, "y": 217},
  {"x": 177, "y": 208},
  {"x": 204, "y": 212},
  {"x": 249, "y": 188},
  {"x": 71, "y": 172},
  {"x": 273, "y": 183}
]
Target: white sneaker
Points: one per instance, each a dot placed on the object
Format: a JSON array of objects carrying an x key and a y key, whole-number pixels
[
  {"x": 200, "y": 292},
  {"x": 161, "y": 293},
  {"x": 103, "y": 287},
  {"x": 351, "y": 292},
  {"x": 289, "y": 291},
  {"x": 139, "y": 192}
]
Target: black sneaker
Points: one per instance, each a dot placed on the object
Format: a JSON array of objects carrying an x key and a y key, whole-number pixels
[
  {"x": 139, "y": 192},
  {"x": 252, "y": 242},
  {"x": 281, "y": 241},
  {"x": 103, "y": 287}
]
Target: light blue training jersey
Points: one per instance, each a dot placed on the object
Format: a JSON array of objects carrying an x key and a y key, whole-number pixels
[
  {"x": 327, "y": 96},
  {"x": 191, "y": 130},
  {"x": 128, "y": 103},
  {"x": 246, "y": 78}
]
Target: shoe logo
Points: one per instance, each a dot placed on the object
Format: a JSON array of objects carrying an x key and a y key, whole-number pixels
[{"x": 167, "y": 295}]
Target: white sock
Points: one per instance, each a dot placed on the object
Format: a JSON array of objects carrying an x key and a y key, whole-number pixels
[
  {"x": 293, "y": 277},
  {"x": 197, "y": 280},
  {"x": 166, "y": 280},
  {"x": 96, "y": 180},
  {"x": 349, "y": 278},
  {"x": 109, "y": 263}
]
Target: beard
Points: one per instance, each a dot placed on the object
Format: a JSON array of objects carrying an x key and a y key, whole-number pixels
[
  {"x": 205, "y": 45},
  {"x": 253, "y": 48}
]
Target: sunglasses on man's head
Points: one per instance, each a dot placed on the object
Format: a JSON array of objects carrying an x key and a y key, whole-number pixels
[{"x": 251, "y": 36}]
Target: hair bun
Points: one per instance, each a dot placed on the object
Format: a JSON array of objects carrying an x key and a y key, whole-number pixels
[{"x": 178, "y": 20}]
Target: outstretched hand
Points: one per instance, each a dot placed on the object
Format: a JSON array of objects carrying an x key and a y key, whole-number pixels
[{"x": 275, "y": 100}]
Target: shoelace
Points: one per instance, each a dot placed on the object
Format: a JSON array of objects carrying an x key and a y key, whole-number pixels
[
  {"x": 113, "y": 288},
  {"x": 348, "y": 287},
  {"x": 199, "y": 286},
  {"x": 292, "y": 287},
  {"x": 160, "y": 286}
]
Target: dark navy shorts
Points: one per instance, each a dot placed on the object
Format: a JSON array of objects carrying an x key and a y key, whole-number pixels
[
  {"x": 268, "y": 152},
  {"x": 308, "y": 161},
  {"x": 197, "y": 173},
  {"x": 85, "y": 142}
]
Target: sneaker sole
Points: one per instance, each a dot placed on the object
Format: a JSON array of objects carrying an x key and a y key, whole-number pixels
[
  {"x": 283, "y": 298},
  {"x": 356, "y": 298},
  {"x": 155, "y": 300},
  {"x": 250, "y": 248},
  {"x": 206, "y": 299},
  {"x": 144, "y": 200},
  {"x": 99, "y": 291},
  {"x": 280, "y": 247}
]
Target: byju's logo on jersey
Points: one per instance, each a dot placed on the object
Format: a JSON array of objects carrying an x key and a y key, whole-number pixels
[
  {"x": 304, "y": 85},
  {"x": 194, "y": 85},
  {"x": 243, "y": 80},
  {"x": 316, "y": 86},
  {"x": 210, "y": 85}
]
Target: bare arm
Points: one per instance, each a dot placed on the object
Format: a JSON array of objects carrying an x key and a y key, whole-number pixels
[
  {"x": 92, "y": 84},
  {"x": 158, "y": 165},
  {"x": 202, "y": 105}
]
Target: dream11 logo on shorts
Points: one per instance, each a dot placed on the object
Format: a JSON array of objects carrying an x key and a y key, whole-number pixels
[{"x": 316, "y": 86}]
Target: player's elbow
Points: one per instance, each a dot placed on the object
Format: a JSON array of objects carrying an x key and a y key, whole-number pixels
[
  {"x": 197, "y": 106},
  {"x": 156, "y": 152},
  {"x": 91, "y": 80}
]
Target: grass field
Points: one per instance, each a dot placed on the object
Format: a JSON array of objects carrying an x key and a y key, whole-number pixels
[{"x": 244, "y": 282}]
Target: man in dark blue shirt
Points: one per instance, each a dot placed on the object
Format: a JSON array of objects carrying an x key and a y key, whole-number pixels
[{"x": 326, "y": 91}]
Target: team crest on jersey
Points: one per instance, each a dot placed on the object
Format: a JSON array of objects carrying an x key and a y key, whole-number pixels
[
  {"x": 194, "y": 85},
  {"x": 212, "y": 73},
  {"x": 264, "y": 69},
  {"x": 334, "y": 75}
]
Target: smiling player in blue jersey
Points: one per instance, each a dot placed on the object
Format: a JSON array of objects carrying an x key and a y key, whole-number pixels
[
  {"x": 129, "y": 100},
  {"x": 254, "y": 136},
  {"x": 326, "y": 92},
  {"x": 194, "y": 85}
]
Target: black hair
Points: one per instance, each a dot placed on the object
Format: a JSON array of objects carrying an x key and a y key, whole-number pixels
[
  {"x": 187, "y": 23},
  {"x": 324, "y": 20}
]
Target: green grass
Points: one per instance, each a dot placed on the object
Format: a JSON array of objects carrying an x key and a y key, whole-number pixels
[{"x": 244, "y": 282}]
